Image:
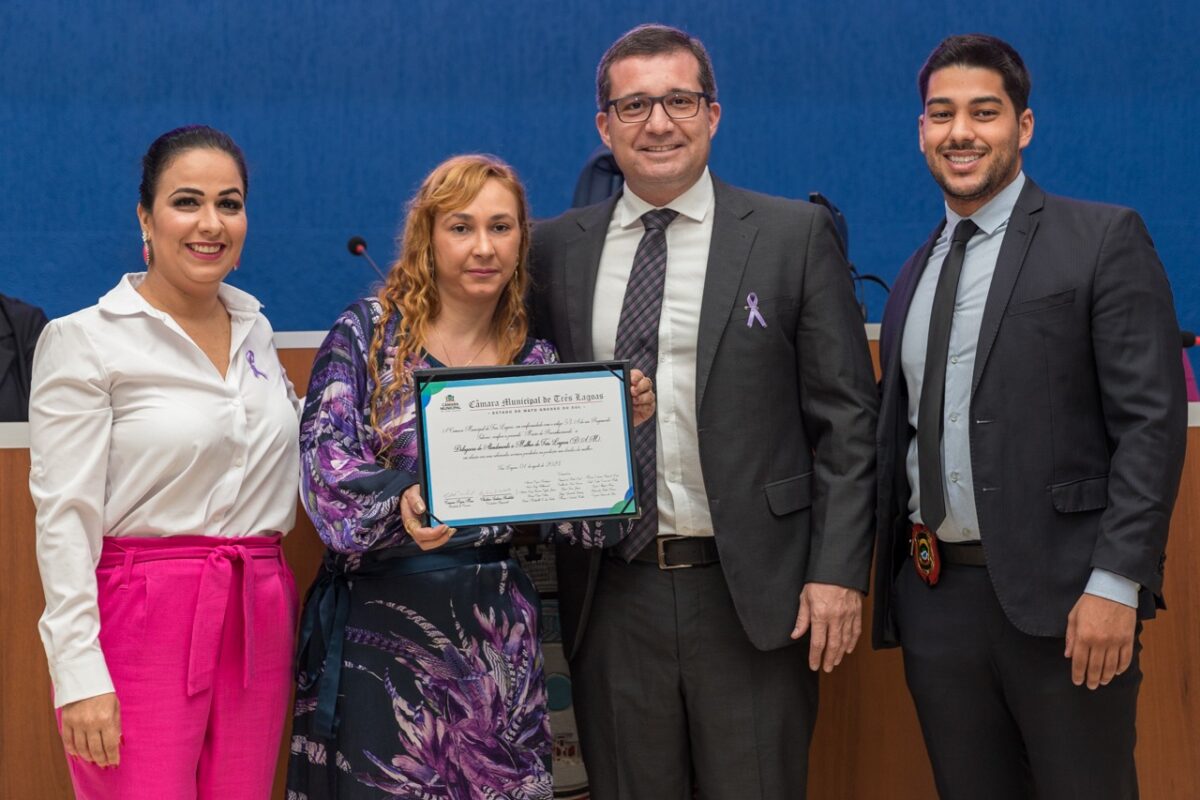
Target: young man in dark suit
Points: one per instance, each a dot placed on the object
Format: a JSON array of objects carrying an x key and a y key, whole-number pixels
[
  {"x": 684, "y": 639},
  {"x": 1031, "y": 438}
]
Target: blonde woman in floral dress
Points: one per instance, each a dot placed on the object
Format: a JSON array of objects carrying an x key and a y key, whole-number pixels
[{"x": 420, "y": 668}]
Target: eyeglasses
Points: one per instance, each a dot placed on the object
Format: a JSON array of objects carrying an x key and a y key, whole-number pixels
[{"x": 639, "y": 107}]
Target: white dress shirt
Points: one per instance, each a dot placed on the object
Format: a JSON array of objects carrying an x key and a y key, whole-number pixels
[
  {"x": 133, "y": 432},
  {"x": 682, "y": 501},
  {"x": 979, "y": 264}
]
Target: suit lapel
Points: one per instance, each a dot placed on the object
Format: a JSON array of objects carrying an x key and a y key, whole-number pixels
[
  {"x": 8, "y": 357},
  {"x": 893, "y": 409},
  {"x": 896, "y": 314},
  {"x": 728, "y": 253},
  {"x": 1017, "y": 237},
  {"x": 581, "y": 265}
]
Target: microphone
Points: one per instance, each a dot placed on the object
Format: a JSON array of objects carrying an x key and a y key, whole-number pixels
[
  {"x": 1189, "y": 338},
  {"x": 358, "y": 247}
]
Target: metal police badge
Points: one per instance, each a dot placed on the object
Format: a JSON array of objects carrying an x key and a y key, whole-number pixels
[{"x": 924, "y": 549}]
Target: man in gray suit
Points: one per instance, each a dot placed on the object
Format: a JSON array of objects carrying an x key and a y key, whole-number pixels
[
  {"x": 1031, "y": 438},
  {"x": 695, "y": 643}
]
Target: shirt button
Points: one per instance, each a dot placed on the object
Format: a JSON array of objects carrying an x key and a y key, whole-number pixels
[
  {"x": 953, "y": 359},
  {"x": 954, "y": 477},
  {"x": 954, "y": 417},
  {"x": 966, "y": 531},
  {"x": 239, "y": 462}
]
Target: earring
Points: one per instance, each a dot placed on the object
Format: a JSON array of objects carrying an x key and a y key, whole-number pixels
[
  {"x": 236, "y": 264},
  {"x": 145, "y": 249}
]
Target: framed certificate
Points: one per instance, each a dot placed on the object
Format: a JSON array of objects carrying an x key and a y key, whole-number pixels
[{"x": 522, "y": 444}]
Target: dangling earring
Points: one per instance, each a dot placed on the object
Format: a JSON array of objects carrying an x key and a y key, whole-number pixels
[
  {"x": 145, "y": 249},
  {"x": 236, "y": 264}
]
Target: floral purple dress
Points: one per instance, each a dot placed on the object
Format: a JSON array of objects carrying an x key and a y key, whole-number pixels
[{"x": 441, "y": 691}]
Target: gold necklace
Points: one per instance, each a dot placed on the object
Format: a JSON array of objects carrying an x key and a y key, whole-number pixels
[{"x": 446, "y": 350}]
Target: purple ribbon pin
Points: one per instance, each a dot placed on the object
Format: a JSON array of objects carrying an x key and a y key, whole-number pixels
[
  {"x": 754, "y": 314},
  {"x": 254, "y": 369}
]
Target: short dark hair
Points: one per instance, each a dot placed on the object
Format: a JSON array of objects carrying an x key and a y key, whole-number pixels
[
  {"x": 174, "y": 143},
  {"x": 985, "y": 52},
  {"x": 653, "y": 40}
]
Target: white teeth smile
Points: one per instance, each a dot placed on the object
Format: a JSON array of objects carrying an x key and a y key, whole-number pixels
[
  {"x": 206, "y": 249},
  {"x": 660, "y": 148},
  {"x": 964, "y": 159}
]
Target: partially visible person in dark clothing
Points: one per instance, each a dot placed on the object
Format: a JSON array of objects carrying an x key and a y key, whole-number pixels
[{"x": 20, "y": 326}]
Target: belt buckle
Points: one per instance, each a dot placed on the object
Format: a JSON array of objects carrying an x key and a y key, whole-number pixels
[{"x": 661, "y": 542}]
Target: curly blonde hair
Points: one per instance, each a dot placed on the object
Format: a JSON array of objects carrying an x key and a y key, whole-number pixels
[{"x": 411, "y": 291}]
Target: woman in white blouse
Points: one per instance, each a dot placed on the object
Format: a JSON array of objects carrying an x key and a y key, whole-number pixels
[{"x": 164, "y": 464}]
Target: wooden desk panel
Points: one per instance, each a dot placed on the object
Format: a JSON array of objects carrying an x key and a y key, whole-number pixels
[
  {"x": 32, "y": 764},
  {"x": 1168, "y": 748},
  {"x": 867, "y": 747}
]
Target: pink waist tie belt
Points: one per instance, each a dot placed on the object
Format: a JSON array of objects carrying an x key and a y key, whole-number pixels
[{"x": 223, "y": 557}]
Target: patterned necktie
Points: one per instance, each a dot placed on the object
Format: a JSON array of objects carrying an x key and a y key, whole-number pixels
[
  {"x": 933, "y": 385},
  {"x": 637, "y": 340}
]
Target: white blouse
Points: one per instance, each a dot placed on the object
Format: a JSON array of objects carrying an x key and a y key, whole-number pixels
[{"x": 134, "y": 433}]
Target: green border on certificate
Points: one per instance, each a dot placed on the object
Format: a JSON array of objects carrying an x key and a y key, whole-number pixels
[{"x": 526, "y": 444}]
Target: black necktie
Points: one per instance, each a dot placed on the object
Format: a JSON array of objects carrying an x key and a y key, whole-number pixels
[
  {"x": 933, "y": 386},
  {"x": 637, "y": 340}
]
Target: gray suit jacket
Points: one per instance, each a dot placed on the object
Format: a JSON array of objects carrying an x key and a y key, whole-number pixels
[
  {"x": 1078, "y": 413},
  {"x": 786, "y": 413}
]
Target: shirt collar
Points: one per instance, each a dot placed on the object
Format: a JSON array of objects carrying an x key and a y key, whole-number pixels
[
  {"x": 693, "y": 204},
  {"x": 995, "y": 212},
  {"x": 124, "y": 299}
]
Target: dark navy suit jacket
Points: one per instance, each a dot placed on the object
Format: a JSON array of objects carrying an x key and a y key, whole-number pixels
[
  {"x": 1078, "y": 414},
  {"x": 20, "y": 326}
]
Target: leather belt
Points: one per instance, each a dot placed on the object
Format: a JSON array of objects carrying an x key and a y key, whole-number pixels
[
  {"x": 680, "y": 552},
  {"x": 964, "y": 554}
]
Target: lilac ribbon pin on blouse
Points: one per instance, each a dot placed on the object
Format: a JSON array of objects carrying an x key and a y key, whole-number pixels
[{"x": 253, "y": 369}]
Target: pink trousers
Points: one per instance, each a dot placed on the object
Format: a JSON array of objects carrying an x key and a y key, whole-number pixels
[{"x": 197, "y": 633}]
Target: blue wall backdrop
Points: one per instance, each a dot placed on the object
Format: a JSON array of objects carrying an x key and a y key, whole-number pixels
[{"x": 343, "y": 107}]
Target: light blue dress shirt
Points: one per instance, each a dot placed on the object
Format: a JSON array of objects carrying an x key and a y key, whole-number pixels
[{"x": 962, "y": 520}]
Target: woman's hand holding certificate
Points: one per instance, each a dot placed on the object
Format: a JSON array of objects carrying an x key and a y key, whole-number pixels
[{"x": 411, "y": 510}]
